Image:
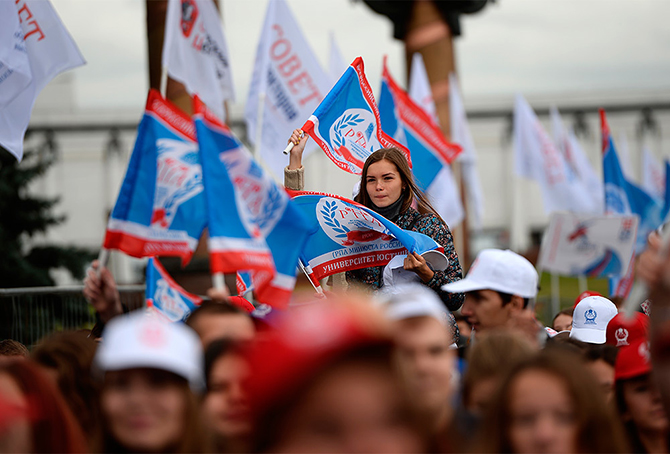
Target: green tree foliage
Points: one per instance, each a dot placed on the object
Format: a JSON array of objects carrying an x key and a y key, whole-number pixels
[{"x": 22, "y": 216}]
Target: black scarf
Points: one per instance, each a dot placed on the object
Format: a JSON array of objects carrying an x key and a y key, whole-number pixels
[{"x": 392, "y": 211}]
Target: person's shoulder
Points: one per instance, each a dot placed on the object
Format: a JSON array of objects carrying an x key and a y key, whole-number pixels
[{"x": 431, "y": 219}]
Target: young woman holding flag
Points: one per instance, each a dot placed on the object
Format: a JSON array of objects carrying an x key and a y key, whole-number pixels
[{"x": 388, "y": 188}]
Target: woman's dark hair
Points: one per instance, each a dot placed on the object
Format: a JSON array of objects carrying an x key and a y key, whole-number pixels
[
  {"x": 194, "y": 438},
  {"x": 53, "y": 427},
  {"x": 598, "y": 430},
  {"x": 218, "y": 349},
  {"x": 70, "y": 354},
  {"x": 411, "y": 191},
  {"x": 569, "y": 311}
]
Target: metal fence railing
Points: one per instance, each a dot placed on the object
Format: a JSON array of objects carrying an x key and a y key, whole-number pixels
[{"x": 28, "y": 314}]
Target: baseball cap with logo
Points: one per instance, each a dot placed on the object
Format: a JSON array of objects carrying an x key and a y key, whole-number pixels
[
  {"x": 395, "y": 274},
  {"x": 590, "y": 319},
  {"x": 633, "y": 360},
  {"x": 500, "y": 270},
  {"x": 621, "y": 332},
  {"x": 139, "y": 340}
]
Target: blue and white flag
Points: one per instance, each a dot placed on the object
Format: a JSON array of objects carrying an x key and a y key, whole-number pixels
[
  {"x": 346, "y": 124},
  {"x": 409, "y": 124},
  {"x": 160, "y": 210},
  {"x": 624, "y": 197},
  {"x": 165, "y": 297},
  {"x": 351, "y": 236},
  {"x": 253, "y": 225}
]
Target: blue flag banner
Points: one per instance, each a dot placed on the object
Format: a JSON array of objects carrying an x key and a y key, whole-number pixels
[
  {"x": 165, "y": 297},
  {"x": 346, "y": 124},
  {"x": 253, "y": 225},
  {"x": 160, "y": 210},
  {"x": 624, "y": 197},
  {"x": 351, "y": 236}
]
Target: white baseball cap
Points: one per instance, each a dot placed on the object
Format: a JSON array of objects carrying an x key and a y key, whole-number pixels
[
  {"x": 590, "y": 319},
  {"x": 500, "y": 270},
  {"x": 140, "y": 339},
  {"x": 395, "y": 274}
]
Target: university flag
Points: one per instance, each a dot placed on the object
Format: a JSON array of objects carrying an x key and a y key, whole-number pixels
[
  {"x": 165, "y": 297},
  {"x": 160, "y": 210},
  {"x": 346, "y": 125},
  {"x": 195, "y": 52},
  {"x": 351, "y": 236},
  {"x": 460, "y": 134},
  {"x": 50, "y": 51},
  {"x": 15, "y": 72},
  {"x": 253, "y": 225},
  {"x": 578, "y": 163},
  {"x": 287, "y": 84},
  {"x": 410, "y": 125},
  {"x": 624, "y": 197},
  {"x": 536, "y": 157}
]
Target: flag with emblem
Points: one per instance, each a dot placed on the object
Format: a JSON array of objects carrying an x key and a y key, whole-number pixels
[
  {"x": 50, "y": 50},
  {"x": 15, "y": 74},
  {"x": 346, "y": 125},
  {"x": 351, "y": 236},
  {"x": 195, "y": 52},
  {"x": 160, "y": 210},
  {"x": 413, "y": 127},
  {"x": 165, "y": 297},
  {"x": 253, "y": 225},
  {"x": 287, "y": 84}
]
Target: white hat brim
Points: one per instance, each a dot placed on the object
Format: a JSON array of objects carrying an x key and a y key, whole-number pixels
[
  {"x": 465, "y": 285},
  {"x": 591, "y": 336}
]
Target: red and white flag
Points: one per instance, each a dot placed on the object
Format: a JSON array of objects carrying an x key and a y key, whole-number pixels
[
  {"x": 288, "y": 83},
  {"x": 460, "y": 134},
  {"x": 536, "y": 157},
  {"x": 51, "y": 50},
  {"x": 15, "y": 72},
  {"x": 653, "y": 175},
  {"x": 195, "y": 52}
]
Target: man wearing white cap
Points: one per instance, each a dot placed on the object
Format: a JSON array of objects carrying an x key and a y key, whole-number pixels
[
  {"x": 499, "y": 286},
  {"x": 425, "y": 351}
]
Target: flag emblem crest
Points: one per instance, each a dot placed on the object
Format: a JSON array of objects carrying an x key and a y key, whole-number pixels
[
  {"x": 348, "y": 225},
  {"x": 178, "y": 179},
  {"x": 351, "y": 134},
  {"x": 616, "y": 199},
  {"x": 189, "y": 13},
  {"x": 172, "y": 305}
]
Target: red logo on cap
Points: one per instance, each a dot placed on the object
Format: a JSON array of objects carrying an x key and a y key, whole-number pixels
[
  {"x": 621, "y": 335},
  {"x": 153, "y": 335}
]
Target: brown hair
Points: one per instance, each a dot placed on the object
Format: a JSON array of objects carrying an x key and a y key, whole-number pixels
[
  {"x": 569, "y": 311},
  {"x": 10, "y": 347},
  {"x": 411, "y": 191},
  {"x": 493, "y": 355},
  {"x": 53, "y": 427},
  {"x": 71, "y": 354},
  {"x": 598, "y": 430},
  {"x": 193, "y": 438},
  {"x": 210, "y": 307}
]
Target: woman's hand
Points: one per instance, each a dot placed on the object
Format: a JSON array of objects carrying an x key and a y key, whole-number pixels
[
  {"x": 416, "y": 263},
  {"x": 299, "y": 139},
  {"x": 101, "y": 292}
]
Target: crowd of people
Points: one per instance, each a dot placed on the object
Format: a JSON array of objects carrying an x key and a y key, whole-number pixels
[{"x": 432, "y": 362}]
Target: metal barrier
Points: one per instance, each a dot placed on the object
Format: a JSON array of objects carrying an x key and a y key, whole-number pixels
[{"x": 28, "y": 314}]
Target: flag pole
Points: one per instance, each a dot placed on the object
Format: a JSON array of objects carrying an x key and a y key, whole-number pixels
[
  {"x": 103, "y": 258},
  {"x": 218, "y": 281},
  {"x": 309, "y": 274}
]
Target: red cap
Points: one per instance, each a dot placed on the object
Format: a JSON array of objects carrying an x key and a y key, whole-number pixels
[
  {"x": 242, "y": 303},
  {"x": 306, "y": 340},
  {"x": 621, "y": 331},
  {"x": 583, "y": 295},
  {"x": 633, "y": 360}
]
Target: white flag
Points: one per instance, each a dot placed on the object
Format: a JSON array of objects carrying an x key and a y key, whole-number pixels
[
  {"x": 336, "y": 63},
  {"x": 578, "y": 163},
  {"x": 14, "y": 65},
  {"x": 537, "y": 158},
  {"x": 624, "y": 156},
  {"x": 51, "y": 51},
  {"x": 444, "y": 194},
  {"x": 653, "y": 175},
  {"x": 195, "y": 52},
  {"x": 460, "y": 134},
  {"x": 288, "y": 80}
]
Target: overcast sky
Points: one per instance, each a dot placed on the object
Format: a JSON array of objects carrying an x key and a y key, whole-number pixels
[{"x": 528, "y": 46}]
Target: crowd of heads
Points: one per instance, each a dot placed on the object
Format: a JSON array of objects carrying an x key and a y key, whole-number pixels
[{"x": 393, "y": 371}]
